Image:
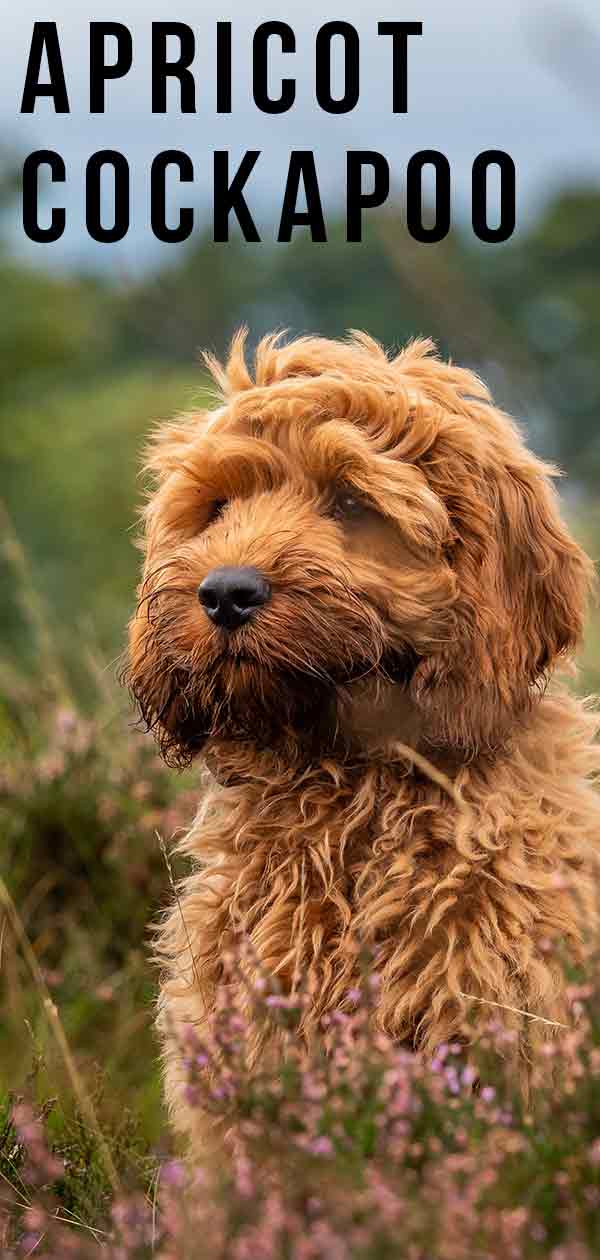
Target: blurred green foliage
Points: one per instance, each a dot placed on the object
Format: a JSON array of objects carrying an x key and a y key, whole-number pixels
[{"x": 70, "y": 461}]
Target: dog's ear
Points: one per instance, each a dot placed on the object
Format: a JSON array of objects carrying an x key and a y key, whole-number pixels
[
  {"x": 545, "y": 574},
  {"x": 524, "y": 583}
]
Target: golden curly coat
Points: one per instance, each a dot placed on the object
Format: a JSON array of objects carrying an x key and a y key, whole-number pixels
[{"x": 387, "y": 762}]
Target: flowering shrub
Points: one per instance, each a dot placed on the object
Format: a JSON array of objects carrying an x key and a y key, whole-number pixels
[
  {"x": 354, "y": 1147},
  {"x": 83, "y": 804},
  {"x": 82, "y": 801}
]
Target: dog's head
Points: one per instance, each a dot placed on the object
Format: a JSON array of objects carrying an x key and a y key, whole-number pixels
[{"x": 346, "y": 517}]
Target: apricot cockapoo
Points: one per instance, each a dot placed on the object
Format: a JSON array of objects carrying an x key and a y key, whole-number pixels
[{"x": 357, "y": 587}]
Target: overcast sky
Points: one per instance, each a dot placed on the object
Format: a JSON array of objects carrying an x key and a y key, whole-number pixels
[{"x": 519, "y": 76}]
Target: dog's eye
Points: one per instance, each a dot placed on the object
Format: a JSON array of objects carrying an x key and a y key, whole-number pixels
[
  {"x": 346, "y": 503},
  {"x": 215, "y": 510}
]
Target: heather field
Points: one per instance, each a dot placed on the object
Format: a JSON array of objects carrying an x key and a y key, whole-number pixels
[{"x": 365, "y": 1151}]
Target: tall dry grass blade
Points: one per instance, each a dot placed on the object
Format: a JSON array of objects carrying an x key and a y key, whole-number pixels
[
  {"x": 33, "y": 606},
  {"x": 554, "y": 1023},
  {"x": 297, "y": 974},
  {"x": 437, "y": 776},
  {"x": 154, "y": 1202},
  {"x": 84, "y": 1101},
  {"x": 175, "y": 891}
]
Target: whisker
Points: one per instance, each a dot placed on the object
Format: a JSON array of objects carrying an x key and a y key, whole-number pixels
[
  {"x": 159, "y": 568},
  {"x": 163, "y": 590}
]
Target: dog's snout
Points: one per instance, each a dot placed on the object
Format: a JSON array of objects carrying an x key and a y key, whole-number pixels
[{"x": 229, "y": 596}]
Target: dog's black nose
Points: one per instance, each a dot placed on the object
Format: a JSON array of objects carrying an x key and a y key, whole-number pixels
[{"x": 230, "y": 596}]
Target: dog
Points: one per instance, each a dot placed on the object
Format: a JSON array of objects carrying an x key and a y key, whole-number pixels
[{"x": 357, "y": 587}]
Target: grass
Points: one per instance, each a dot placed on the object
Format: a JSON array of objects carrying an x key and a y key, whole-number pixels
[
  {"x": 81, "y": 808},
  {"x": 83, "y": 804}
]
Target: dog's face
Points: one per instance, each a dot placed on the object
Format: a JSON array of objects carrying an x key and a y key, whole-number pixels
[{"x": 346, "y": 521}]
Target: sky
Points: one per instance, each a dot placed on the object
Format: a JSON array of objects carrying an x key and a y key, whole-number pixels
[{"x": 520, "y": 76}]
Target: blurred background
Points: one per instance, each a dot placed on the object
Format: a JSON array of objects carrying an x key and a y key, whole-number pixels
[{"x": 98, "y": 342}]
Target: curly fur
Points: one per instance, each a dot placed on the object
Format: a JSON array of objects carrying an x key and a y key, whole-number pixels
[{"x": 430, "y": 617}]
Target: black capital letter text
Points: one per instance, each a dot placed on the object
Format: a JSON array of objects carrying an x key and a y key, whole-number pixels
[
  {"x": 31, "y": 166},
  {"x": 162, "y": 68},
  {"x": 399, "y": 32},
  {"x": 99, "y": 71},
  {"x": 229, "y": 196},
  {"x": 302, "y": 166},
  {"x": 45, "y": 36}
]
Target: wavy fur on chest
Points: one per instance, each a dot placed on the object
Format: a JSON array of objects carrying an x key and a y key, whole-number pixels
[{"x": 486, "y": 900}]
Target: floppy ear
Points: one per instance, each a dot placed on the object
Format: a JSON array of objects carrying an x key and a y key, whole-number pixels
[
  {"x": 546, "y": 575},
  {"x": 524, "y": 583}
]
